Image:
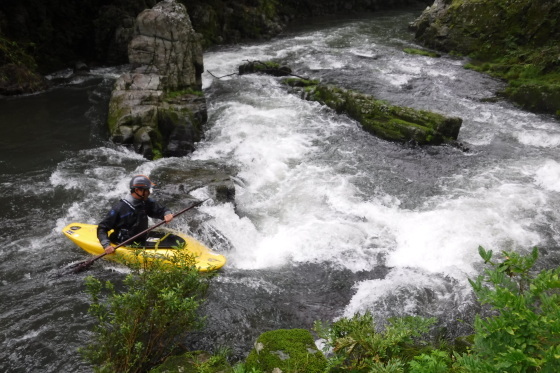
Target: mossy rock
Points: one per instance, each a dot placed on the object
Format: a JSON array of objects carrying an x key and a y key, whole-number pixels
[
  {"x": 298, "y": 82},
  {"x": 421, "y": 52},
  {"x": 389, "y": 122},
  {"x": 290, "y": 350},
  {"x": 536, "y": 97}
]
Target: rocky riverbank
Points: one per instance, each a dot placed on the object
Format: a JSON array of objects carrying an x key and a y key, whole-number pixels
[{"x": 518, "y": 41}]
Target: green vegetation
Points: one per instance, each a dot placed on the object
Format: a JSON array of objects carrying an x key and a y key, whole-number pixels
[
  {"x": 187, "y": 91},
  {"x": 517, "y": 41},
  {"x": 141, "y": 326},
  {"x": 518, "y": 330},
  {"x": 196, "y": 361},
  {"x": 421, "y": 52},
  {"x": 533, "y": 76},
  {"x": 268, "y": 7},
  {"x": 298, "y": 82},
  {"x": 18, "y": 68},
  {"x": 14, "y": 53},
  {"x": 290, "y": 350},
  {"x": 358, "y": 346},
  {"x": 522, "y": 333}
]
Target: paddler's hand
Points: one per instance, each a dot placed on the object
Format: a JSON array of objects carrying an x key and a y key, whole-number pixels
[
  {"x": 109, "y": 249},
  {"x": 168, "y": 218}
]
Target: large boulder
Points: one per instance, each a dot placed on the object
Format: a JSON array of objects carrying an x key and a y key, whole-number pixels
[{"x": 158, "y": 107}]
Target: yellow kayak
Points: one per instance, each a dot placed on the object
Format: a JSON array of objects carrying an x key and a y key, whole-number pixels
[{"x": 160, "y": 244}]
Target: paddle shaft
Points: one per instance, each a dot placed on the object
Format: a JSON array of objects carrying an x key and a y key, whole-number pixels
[{"x": 85, "y": 264}]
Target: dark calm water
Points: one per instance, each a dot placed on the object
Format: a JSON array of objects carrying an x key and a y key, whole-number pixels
[{"x": 328, "y": 220}]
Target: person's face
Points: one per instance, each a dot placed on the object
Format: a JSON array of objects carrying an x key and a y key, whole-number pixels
[{"x": 143, "y": 193}]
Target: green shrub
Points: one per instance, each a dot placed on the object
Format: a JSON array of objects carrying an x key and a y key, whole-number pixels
[
  {"x": 522, "y": 334},
  {"x": 436, "y": 361},
  {"x": 197, "y": 362},
  {"x": 15, "y": 53},
  {"x": 357, "y": 345},
  {"x": 141, "y": 326}
]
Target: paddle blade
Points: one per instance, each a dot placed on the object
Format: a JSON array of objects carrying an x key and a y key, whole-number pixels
[{"x": 80, "y": 267}]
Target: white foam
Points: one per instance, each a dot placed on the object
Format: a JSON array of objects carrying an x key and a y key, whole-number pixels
[
  {"x": 548, "y": 176},
  {"x": 400, "y": 293},
  {"x": 294, "y": 209},
  {"x": 543, "y": 139}
]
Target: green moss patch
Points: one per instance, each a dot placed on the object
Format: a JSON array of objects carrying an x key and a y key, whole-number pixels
[
  {"x": 421, "y": 52},
  {"x": 290, "y": 350}
]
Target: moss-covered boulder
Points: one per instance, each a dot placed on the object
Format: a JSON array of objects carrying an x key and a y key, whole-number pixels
[
  {"x": 389, "y": 122},
  {"x": 286, "y": 350},
  {"x": 518, "y": 41}
]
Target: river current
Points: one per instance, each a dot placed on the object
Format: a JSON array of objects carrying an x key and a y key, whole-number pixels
[{"x": 328, "y": 220}]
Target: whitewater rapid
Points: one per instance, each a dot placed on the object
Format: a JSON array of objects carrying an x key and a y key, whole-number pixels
[{"x": 327, "y": 220}]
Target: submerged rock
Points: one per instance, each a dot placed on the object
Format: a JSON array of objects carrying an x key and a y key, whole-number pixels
[
  {"x": 158, "y": 107},
  {"x": 267, "y": 67},
  {"x": 389, "y": 122}
]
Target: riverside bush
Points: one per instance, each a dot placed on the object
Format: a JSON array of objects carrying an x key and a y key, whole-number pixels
[
  {"x": 519, "y": 334},
  {"x": 523, "y": 332},
  {"x": 357, "y": 346},
  {"x": 141, "y": 326}
]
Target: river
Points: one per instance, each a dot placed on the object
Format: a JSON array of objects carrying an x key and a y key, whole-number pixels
[{"x": 328, "y": 220}]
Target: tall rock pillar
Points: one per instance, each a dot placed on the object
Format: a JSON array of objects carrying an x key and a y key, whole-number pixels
[{"x": 158, "y": 107}]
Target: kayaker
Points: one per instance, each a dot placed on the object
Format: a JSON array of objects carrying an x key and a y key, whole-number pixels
[{"x": 129, "y": 216}]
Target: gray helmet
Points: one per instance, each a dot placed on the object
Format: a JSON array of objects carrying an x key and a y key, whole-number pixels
[{"x": 141, "y": 182}]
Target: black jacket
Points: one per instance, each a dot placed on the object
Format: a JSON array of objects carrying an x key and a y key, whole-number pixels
[{"x": 127, "y": 218}]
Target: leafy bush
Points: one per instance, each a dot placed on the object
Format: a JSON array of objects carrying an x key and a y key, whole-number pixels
[
  {"x": 15, "y": 53},
  {"x": 138, "y": 328},
  {"x": 197, "y": 362},
  {"x": 357, "y": 346},
  {"x": 436, "y": 361},
  {"x": 523, "y": 333}
]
